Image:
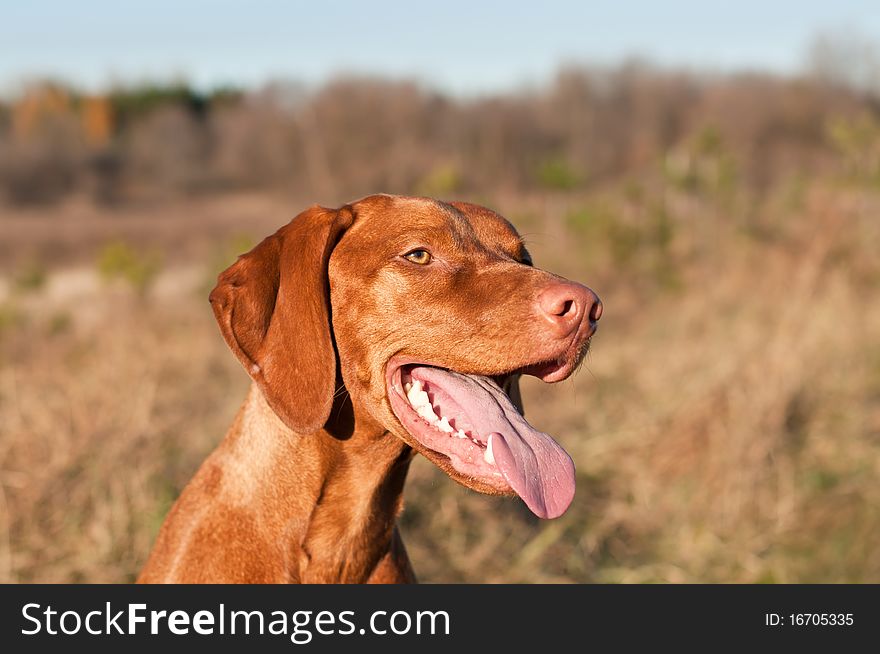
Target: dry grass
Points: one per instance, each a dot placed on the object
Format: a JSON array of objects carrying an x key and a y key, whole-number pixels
[{"x": 725, "y": 429}]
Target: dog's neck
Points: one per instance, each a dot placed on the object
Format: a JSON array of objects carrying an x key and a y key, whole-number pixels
[{"x": 333, "y": 496}]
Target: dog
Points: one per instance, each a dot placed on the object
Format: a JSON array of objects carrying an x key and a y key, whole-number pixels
[{"x": 388, "y": 327}]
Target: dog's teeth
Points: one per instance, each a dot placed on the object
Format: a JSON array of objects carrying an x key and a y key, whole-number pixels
[
  {"x": 407, "y": 386},
  {"x": 416, "y": 396},
  {"x": 460, "y": 434},
  {"x": 444, "y": 426},
  {"x": 413, "y": 390},
  {"x": 426, "y": 412},
  {"x": 487, "y": 455}
]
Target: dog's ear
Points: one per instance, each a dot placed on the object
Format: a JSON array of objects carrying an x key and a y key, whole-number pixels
[
  {"x": 273, "y": 307},
  {"x": 511, "y": 387}
]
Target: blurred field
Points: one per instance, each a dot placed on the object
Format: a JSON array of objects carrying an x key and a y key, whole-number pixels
[{"x": 725, "y": 429}]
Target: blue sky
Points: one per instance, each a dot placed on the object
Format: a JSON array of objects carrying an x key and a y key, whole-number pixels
[{"x": 459, "y": 46}]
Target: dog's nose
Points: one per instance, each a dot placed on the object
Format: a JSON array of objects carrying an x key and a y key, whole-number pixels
[{"x": 566, "y": 304}]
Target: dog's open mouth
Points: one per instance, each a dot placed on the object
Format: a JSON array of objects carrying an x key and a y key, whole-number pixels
[{"x": 470, "y": 420}]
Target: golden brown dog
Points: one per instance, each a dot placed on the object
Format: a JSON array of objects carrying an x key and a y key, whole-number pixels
[{"x": 390, "y": 326}]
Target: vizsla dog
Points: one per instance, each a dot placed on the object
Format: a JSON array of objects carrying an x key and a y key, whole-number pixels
[{"x": 387, "y": 327}]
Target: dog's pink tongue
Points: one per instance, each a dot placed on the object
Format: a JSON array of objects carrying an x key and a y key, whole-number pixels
[
  {"x": 538, "y": 469},
  {"x": 534, "y": 464}
]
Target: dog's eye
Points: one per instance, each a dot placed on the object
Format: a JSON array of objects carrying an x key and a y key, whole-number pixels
[{"x": 421, "y": 257}]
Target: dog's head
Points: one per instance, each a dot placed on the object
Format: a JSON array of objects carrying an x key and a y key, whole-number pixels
[{"x": 434, "y": 310}]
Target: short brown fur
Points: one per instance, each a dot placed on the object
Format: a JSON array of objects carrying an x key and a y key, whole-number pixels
[{"x": 307, "y": 485}]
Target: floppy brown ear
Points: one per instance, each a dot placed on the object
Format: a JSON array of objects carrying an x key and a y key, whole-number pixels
[{"x": 273, "y": 307}]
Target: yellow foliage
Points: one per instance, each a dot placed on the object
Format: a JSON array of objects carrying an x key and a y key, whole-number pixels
[
  {"x": 38, "y": 105},
  {"x": 97, "y": 120}
]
